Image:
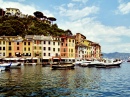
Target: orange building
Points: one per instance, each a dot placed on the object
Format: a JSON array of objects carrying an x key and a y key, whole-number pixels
[{"x": 67, "y": 49}]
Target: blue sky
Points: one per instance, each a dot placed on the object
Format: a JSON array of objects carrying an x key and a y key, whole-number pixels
[{"x": 106, "y": 22}]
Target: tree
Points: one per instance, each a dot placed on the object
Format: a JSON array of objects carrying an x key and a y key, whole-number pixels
[
  {"x": 38, "y": 14},
  {"x": 68, "y": 32},
  {"x": 52, "y": 19},
  {"x": 6, "y": 30},
  {"x": 16, "y": 25}
]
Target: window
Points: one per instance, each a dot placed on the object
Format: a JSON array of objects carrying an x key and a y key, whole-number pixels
[
  {"x": 53, "y": 49},
  {"x": 44, "y": 42},
  {"x": 49, "y": 54},
  {"x": 0, "y": 48},
  {"x": 24, "y": 43},
  {"x": 58, "y": 43},
  {"x": 39, "y": 48},
  {"x": 73, "y": 41},
  {"x": 44, "y": 48},
  {"x": 0, "y": 42},
  {"x": 58, "y": 49},
  {"x": 9, "y": 48},
  {"x": 44, "y": 54},
  {"x": 35, "y": 47},
  {"x": 62, "y": 40},
  {"x": 49, "y": 48},
  {"x": 10, "y": 54},
  {"x": 17, "y": 43},
  {"x": 24, "y": 49},
  {"x": 17, "y": 48},
  {"x": 56, "y": 54},
  {"x": 29, "y": 49},
  {"x": 64, "y": 50},
  {"x": 3, "y": 54},
  {"x": 3, "y": 42},
  {"x": 9, "y": 43},
  {"x": 53, "y": 43},
  {"x": 28, "y": 43},
  {"x": 3, "y": 48},
  {"x": 49, "y": 42}
]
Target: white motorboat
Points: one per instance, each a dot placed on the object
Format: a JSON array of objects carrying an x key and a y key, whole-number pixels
[
  {"x": 113, "y": 63},
  {"x": 4, "y": 66},
  {"x": 81, "y": 62},
  {"x": 85, "y": 63},
  {"x": 77, "y": 63},
  {"x": 95, "y": 63},
  {"x": 110, "y": 63},
  {"x": 14, "y": 62}
]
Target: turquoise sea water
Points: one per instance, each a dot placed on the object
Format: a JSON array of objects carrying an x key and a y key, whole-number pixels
[{"x": 38, "y": 81}]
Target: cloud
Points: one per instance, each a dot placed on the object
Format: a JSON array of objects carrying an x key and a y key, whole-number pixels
[
  {"x": 21, "y": 0},
  {"x": 123, "y": 8},
  {"x": 47, "y": 13},
  {"x": 24, "y": 8},
  {"x": 70, "y": 5},
  {"x": 83, "y": 1},
  {"x": 124, "y": 48},
  {"x": 110, "y": 38},
  {"x": 78, "y": 13}
]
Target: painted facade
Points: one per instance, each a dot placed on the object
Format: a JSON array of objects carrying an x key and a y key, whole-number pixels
[
  {"x": 81, "y": 52},
  {"x": 45, "y": 47},
  {"x": 2, "y": 47},
  {"x": 67, "y": 49},
  {"x": 28, "y": 47},
  {"x": 71, "y": 47}
]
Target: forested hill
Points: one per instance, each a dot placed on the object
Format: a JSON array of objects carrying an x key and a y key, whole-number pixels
[
  {"x": 12, "y": 26},
  {"x": 124, "y": 56}
]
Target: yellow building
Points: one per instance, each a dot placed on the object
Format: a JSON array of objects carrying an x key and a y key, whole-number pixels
[
  {"x": 28, "y": 48},
  {"x": 2, "y": 47},
  {"x": 12, "y": 45},
  {"x": 89, "y": 48},
  {"x": 71, "y": 47}
]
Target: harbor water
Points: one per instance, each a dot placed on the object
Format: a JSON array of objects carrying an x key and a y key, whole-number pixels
[{"x": 38, "y": 81}]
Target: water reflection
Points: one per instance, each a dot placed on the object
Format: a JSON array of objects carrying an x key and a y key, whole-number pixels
[{"x": 80, "y": 82}]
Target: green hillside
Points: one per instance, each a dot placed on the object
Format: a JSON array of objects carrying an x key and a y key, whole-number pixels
[{"x": 13, "y": 25}]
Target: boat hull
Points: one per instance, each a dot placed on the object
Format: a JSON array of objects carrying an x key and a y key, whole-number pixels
[{"x": 66, "y": 66}]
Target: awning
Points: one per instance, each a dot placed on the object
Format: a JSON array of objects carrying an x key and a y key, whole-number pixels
[
  {"x": 31, "y": 58},
  {"x": 11, "y": 58}
]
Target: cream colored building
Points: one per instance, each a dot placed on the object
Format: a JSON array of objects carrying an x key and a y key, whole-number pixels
[{"x": 14, "y": 12}]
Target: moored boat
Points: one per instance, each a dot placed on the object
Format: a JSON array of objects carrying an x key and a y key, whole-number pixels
[
  {"x": 14, "y": 62},
  {"x": 110, "y": 63},
  {"x": 65, "y": 66},
  {"x": 95, "y": 63},
  {"x": 85, "y": 63},
  {"x": 5, "y": 66}
]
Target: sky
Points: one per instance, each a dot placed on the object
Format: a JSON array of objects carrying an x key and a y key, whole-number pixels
[{"x": 106, "y": 22}]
